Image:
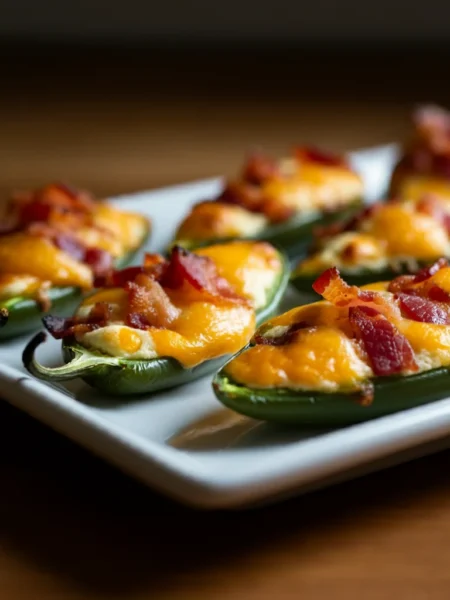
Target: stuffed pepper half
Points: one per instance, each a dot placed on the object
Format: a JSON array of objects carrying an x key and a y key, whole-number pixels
[
  {"x": 169, "y": 321},
  {"x": 360, "y": 354},
  {"x": 279, "y": 201},
  {"x": 383, "y": 241},
  {"x": 53, "y": 243}
]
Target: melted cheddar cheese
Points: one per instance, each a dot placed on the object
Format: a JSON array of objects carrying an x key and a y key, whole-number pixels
[
  {"x": 314, "y": 188},
  {"x": 217, "y": 220},
  {"x": 302, "y": 188},
  {"x": 414, "y": 187},
  {"x": 22, "y": 254},
  {"x": 29, "y": 263},
  {"x": 394, "y": 233},
  {"x": 203, "y": 330},
  {"x": 325, "y": 357},
  {"x": 113, "y": 230}
]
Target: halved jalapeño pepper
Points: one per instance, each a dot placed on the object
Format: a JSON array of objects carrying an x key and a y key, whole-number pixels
[
  {"x": 55, "y": 244},
  {"x": 278, "y": 201},
  {"x": 360, "y": 354},
  {"x": 168, "y": 321},
  {"x": 381, "y": 242}
]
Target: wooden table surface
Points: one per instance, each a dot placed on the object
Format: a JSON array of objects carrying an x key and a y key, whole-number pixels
[{"x": 73, "y": 527}]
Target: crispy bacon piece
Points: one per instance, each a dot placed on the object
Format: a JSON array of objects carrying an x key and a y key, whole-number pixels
[
  {"x": 247, "y": 195},
  {"x": 388, "y": 351},
  {"x": 100, "y": 261},
  {"x": 200, "y": 272},
  {"x": 259, "y": 168},
  {"x": 118, "y": 278},
  {"x": 148, "y": 304},
  {"x": 60, "y": 327},
  {"x": 430, "y": 270},
  {"x": 424, "y": 310},
  {"x": 333, "y": 288},
  {"x": 314, "y": 155},
  {"x": 418, "y": 285}
]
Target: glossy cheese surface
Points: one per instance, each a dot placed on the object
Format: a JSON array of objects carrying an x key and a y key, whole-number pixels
[
  {"x": 325, "y": 357},
  {"x": 216, "y": 220},
  {"x": 15, "y": 286},
  {"x": 203, "y": 330},
  {"x": 22, "y": 254},
  {"x": 313, "y": 187},
  {"x": 250, "y": 267}
]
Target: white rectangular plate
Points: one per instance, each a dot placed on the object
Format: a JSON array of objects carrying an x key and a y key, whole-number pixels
[{"x": 183, "y": 442}]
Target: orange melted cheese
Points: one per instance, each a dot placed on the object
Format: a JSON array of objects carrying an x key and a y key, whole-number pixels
[
  {"x": 113, "y": 230},
  {"x": 326, "y": 357},
  {"x": 30, "y": 263},
  {"x": 203, "y": 330},
  {"x": 217, "y": 220},
  {"x": 394, "y": 232},
  {"x": 22, "y": 254},
  {"x": 414, "y": 187}
]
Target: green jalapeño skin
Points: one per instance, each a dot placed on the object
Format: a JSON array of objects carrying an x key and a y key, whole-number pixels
[
  {"x": 283, "y": 405},
  {"x": 124, "y": 377}
]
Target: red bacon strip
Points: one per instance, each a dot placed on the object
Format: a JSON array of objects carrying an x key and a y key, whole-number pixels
[
  {"x": 60, "y": 327},
  {"x": 333, "y": 288},
  {"x": 198, "y": 271},
  {"x": 311, "y": 154},
  {"x": 247, "y": 195},
  {"x": 431, "y": 270},
  {"x": 423, "y": 310},
  {"x": 148, "y": 304},
  {"x": 259, "y": 168},
  {"x": 388, "y": 351}
]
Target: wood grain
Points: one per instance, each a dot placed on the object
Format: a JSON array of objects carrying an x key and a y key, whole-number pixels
[{"x": 73, "y": 527}]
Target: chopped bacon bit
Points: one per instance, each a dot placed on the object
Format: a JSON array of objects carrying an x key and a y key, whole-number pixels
[
  {"x": 431, "y": 270},
  {"x": 333, "y": 288},
  {"x": 34, "y": 212},
  {"x": 247, "y": 195},
  {"x": 402, "y": 283},
  {"x": 314, "y": 155},
  {"x": 118, "y": 278},
  {"x": 437, "y": 294},
  {"x": 100, "y": 261},
  {"x": 367, "y": 394},
  {"x": 198, "y": 271},
  {"x": 148, "y": 304},
  {"x": 259, "y": 168},
  {"x": 388, "y": 351},
  {"x": 286, "y": 338},
  {"x": 58, "y": 327},
  {"x": 423, "y": 310}
]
